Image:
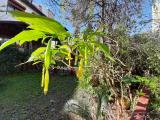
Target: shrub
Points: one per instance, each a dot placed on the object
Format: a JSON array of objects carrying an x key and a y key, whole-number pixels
[
  {"x": 141, "y": 54},
  {"x": 9, "y": 58},
  {"x": 152, "y": 50}
]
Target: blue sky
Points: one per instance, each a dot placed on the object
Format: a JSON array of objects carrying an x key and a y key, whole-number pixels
[
  {"x": 147, "y": 14},
  {"x": 60, "y": 17}
]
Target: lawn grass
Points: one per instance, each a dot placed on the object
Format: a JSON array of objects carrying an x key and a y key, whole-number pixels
[
  {"x": 21, "y": 96},
  {"x": 18, "y": 87}
]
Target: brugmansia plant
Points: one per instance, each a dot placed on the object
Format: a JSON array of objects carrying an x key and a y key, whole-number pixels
[{"x": 47, "y": 30}]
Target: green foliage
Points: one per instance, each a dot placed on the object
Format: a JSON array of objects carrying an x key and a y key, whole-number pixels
[
  {"x": 152, "y": 50},
  {"x": 38, "y": 54},
  {"x": 104, "y": 48},
  {"x": 47, "y": 30},
  {"x": 155, "y": 97},
  {"x": 9, "y": 58},
  {"x": 149, "y": 82},
  {"x": 40, "y": 23},
  {"x": 24, "y": 36},
  {"x": 140, "y": 53},
  {"x": 137, "y": 84},
  {"x": 102, "y": 81}
]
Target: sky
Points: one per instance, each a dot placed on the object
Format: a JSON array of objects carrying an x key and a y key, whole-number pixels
[
  {"x": 60, "y": 17},
  {"x": 147, "y": 14}
]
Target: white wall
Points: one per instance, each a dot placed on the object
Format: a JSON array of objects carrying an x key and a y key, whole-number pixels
[
  {"x": 156, "y": 15},
  {"x": 6, "y": 16},
  {"x": 3, "y": 4},
  {"x": 3, "y": 9}
]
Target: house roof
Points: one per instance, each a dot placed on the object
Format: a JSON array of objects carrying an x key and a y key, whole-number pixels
[
  {"x": 17, "y": 5},
  {"x": 33, "y": 7}
]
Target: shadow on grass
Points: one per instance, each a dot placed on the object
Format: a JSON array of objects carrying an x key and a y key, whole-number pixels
[
  {"x": 3, "y": 85},
  {"x": 22, "y": 97}
]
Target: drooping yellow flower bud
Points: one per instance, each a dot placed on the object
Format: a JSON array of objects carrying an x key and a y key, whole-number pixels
[
  {"x": 46, "y": 82},
  {"x": 80, "y": 70}
]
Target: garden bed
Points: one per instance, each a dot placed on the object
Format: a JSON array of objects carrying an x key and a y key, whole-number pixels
[{"x": 140, "y": 111}]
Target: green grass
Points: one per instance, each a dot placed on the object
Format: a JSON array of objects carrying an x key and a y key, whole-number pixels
[
  {"x": 21, "y": 96},
  {"x": 23, "y": 86},
  {"x": 19, "y": 87}
]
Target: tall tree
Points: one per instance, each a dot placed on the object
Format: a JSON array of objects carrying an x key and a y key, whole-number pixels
[
  {"x": 108, "y": 12},
  {"x": 105, "y": 14}
]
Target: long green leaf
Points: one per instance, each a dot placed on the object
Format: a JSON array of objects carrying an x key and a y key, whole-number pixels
[
  {"x": 39, "y": 22},
  {"x": 47, "y": 63},
  {"x": 37, "y": 54},
  {"x": 65, "y": 47},
  {"x": 24, "y": 36},
  {"x": 30, "y": 35},
  {"x": 38, "y": 51},
  {"x": 104, "y": 48},
  {"x": 48, "y": 55}
]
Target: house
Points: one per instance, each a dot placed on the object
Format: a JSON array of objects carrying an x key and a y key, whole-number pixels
[
  {"x": 9, "y": 26},
  {"x": 155, "y": 22}
]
